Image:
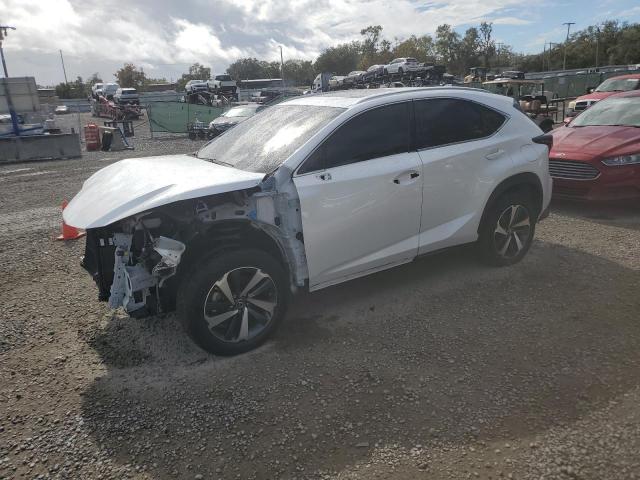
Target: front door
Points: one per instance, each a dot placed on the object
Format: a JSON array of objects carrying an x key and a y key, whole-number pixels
[{"x": 361, "y": 197}]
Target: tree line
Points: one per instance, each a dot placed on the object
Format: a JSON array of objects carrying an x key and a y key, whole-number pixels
[{"x": 612, "y": 42}]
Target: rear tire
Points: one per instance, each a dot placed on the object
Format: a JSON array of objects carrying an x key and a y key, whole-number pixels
[
  {"x": 233, "y": 301},
  {"x": 508, "y": 228}
]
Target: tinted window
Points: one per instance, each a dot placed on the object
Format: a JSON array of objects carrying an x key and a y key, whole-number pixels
[
  {"x": 377, "y": 133},
  {"x": 441, "y": 121}
]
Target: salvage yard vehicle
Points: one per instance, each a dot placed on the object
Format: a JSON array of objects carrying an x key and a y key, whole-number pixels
[
  {"x": 310, "y": 193},
  {"x": 531, "y": 97},
  {"x": 354, "y": 77},
  {"x": 597, "y": 155},
  {"x": 336, "y": 81},
  {"x": 195, "y": 86},
  {"x": 109, "y": 90},
  {"x": 233, "y": 117},
  {"x": 222, "y": 83},
  {"x": 403, "y": 65},
  {"x": 126, "y": 96},
  {"x": 611, "y": 86},
  {"x": 374, "y": 72}
]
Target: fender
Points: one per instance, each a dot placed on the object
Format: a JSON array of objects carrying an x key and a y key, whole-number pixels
[{"x": 525, "y": 178}]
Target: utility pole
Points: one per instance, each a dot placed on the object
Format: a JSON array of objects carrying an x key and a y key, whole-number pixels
[
  {"x": 12, "y": 112},
  {"x": 499, "y": 46},
  {"x": 597, "y": 43},
  {"x": 544, "y": 53},
  {"x": 551, "y": 44},
  {"x": 64, "y": 70},
  {"x": 281, "y": 68},
  {"x": 564, "y": 63},
  {"x": 3, "y": 33}
]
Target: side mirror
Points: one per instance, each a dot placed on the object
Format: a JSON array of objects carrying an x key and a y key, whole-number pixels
[{"x": 590, "y": 90}]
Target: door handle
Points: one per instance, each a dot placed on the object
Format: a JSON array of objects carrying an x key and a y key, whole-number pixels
[
  {"x": 405, "y": 177},
  {"x": 495, "y": 154},
  {"x": 324, "y": 176}
]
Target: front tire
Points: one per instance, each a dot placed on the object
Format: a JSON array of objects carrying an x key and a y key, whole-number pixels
[
  {"x": 234, "y": 301},
  {"x": 508, "y": 228}
]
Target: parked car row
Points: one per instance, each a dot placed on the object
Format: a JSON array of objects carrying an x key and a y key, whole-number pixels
[{"x": 397, "y": 67}]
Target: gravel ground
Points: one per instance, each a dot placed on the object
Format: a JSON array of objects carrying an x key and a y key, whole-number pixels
[{"x": 441, "y": 369}]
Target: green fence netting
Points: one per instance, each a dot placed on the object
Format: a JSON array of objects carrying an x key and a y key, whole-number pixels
[{"x": 175, "y": 117}]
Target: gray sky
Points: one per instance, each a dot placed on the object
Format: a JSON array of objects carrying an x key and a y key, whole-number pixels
[{"x": 165, "y": 37}]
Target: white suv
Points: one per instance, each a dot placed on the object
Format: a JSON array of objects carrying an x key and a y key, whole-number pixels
[
  {"x": 311, "y": 192},
  {"x": 195, "y": 86},
  {"x": 403, "y": 65}
]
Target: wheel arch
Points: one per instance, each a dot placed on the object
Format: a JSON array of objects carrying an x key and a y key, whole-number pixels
[
  {"x": 528, "y": 180},
  {"x": 227, "y": 235}
]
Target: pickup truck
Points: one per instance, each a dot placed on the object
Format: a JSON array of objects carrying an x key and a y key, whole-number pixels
[
  {"x": 222, "y": 83},
  {"x": 126, "y": 95}
]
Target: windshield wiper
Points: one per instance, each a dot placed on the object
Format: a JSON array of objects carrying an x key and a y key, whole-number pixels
[{"x": 216, "y": 161}]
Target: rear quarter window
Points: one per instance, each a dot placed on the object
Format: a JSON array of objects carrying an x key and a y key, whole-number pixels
[{"x": 443, "y": 121}]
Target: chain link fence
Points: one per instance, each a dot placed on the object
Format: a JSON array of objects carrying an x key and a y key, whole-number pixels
[{"x": 175, "y": 117}]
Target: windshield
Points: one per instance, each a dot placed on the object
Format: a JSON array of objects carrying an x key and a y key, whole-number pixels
[
  {"x": 264, "y": 141},
  {"x": 612, "y": 111},
  {"x": 618, "y": 85},
  {"x": 223, "y": 78},
  {"x": 240, "y": 112}
]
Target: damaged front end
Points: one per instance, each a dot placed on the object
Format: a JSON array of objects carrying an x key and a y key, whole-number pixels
[
  {"x": 138, "y": 262},
  {"x": 131, "y": 266}
]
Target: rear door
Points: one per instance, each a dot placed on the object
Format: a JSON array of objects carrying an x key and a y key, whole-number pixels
[
  {"x": 361, "y": 195},
  {"x": 462, "y": 153}
]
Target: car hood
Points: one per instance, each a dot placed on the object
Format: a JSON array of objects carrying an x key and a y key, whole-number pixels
[
  {"x": 138, "y": 184},
  {"x": 595, "y": 96},
  {"x": 228, "y": 120},
  {"x": 601, "y": 141}
]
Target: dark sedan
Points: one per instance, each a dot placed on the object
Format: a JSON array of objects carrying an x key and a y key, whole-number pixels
[{"x": 374, "y": 72}]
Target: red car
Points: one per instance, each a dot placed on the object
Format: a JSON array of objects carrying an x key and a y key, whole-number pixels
[
  {"x": 610, "y": 86},
  {"x": 597, "y": 155}
]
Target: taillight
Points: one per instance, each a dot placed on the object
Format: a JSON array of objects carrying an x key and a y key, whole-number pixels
[{"x": 544, "y": 139}]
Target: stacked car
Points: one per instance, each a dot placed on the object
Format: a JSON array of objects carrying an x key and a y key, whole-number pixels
[{"x": 402, "y": 69}]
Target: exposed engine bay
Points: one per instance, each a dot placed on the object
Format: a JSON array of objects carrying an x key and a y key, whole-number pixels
[{"x": 134, "y": 261}]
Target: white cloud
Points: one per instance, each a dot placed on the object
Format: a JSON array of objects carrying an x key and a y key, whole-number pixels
[
  {"x": 511, "y": 21},
  {"x": 165, "y": 35}
]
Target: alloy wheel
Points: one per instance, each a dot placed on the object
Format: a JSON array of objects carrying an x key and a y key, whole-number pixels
[
  {"x": 240, "y": 305},
  {"x": 512, "y": 231}
]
